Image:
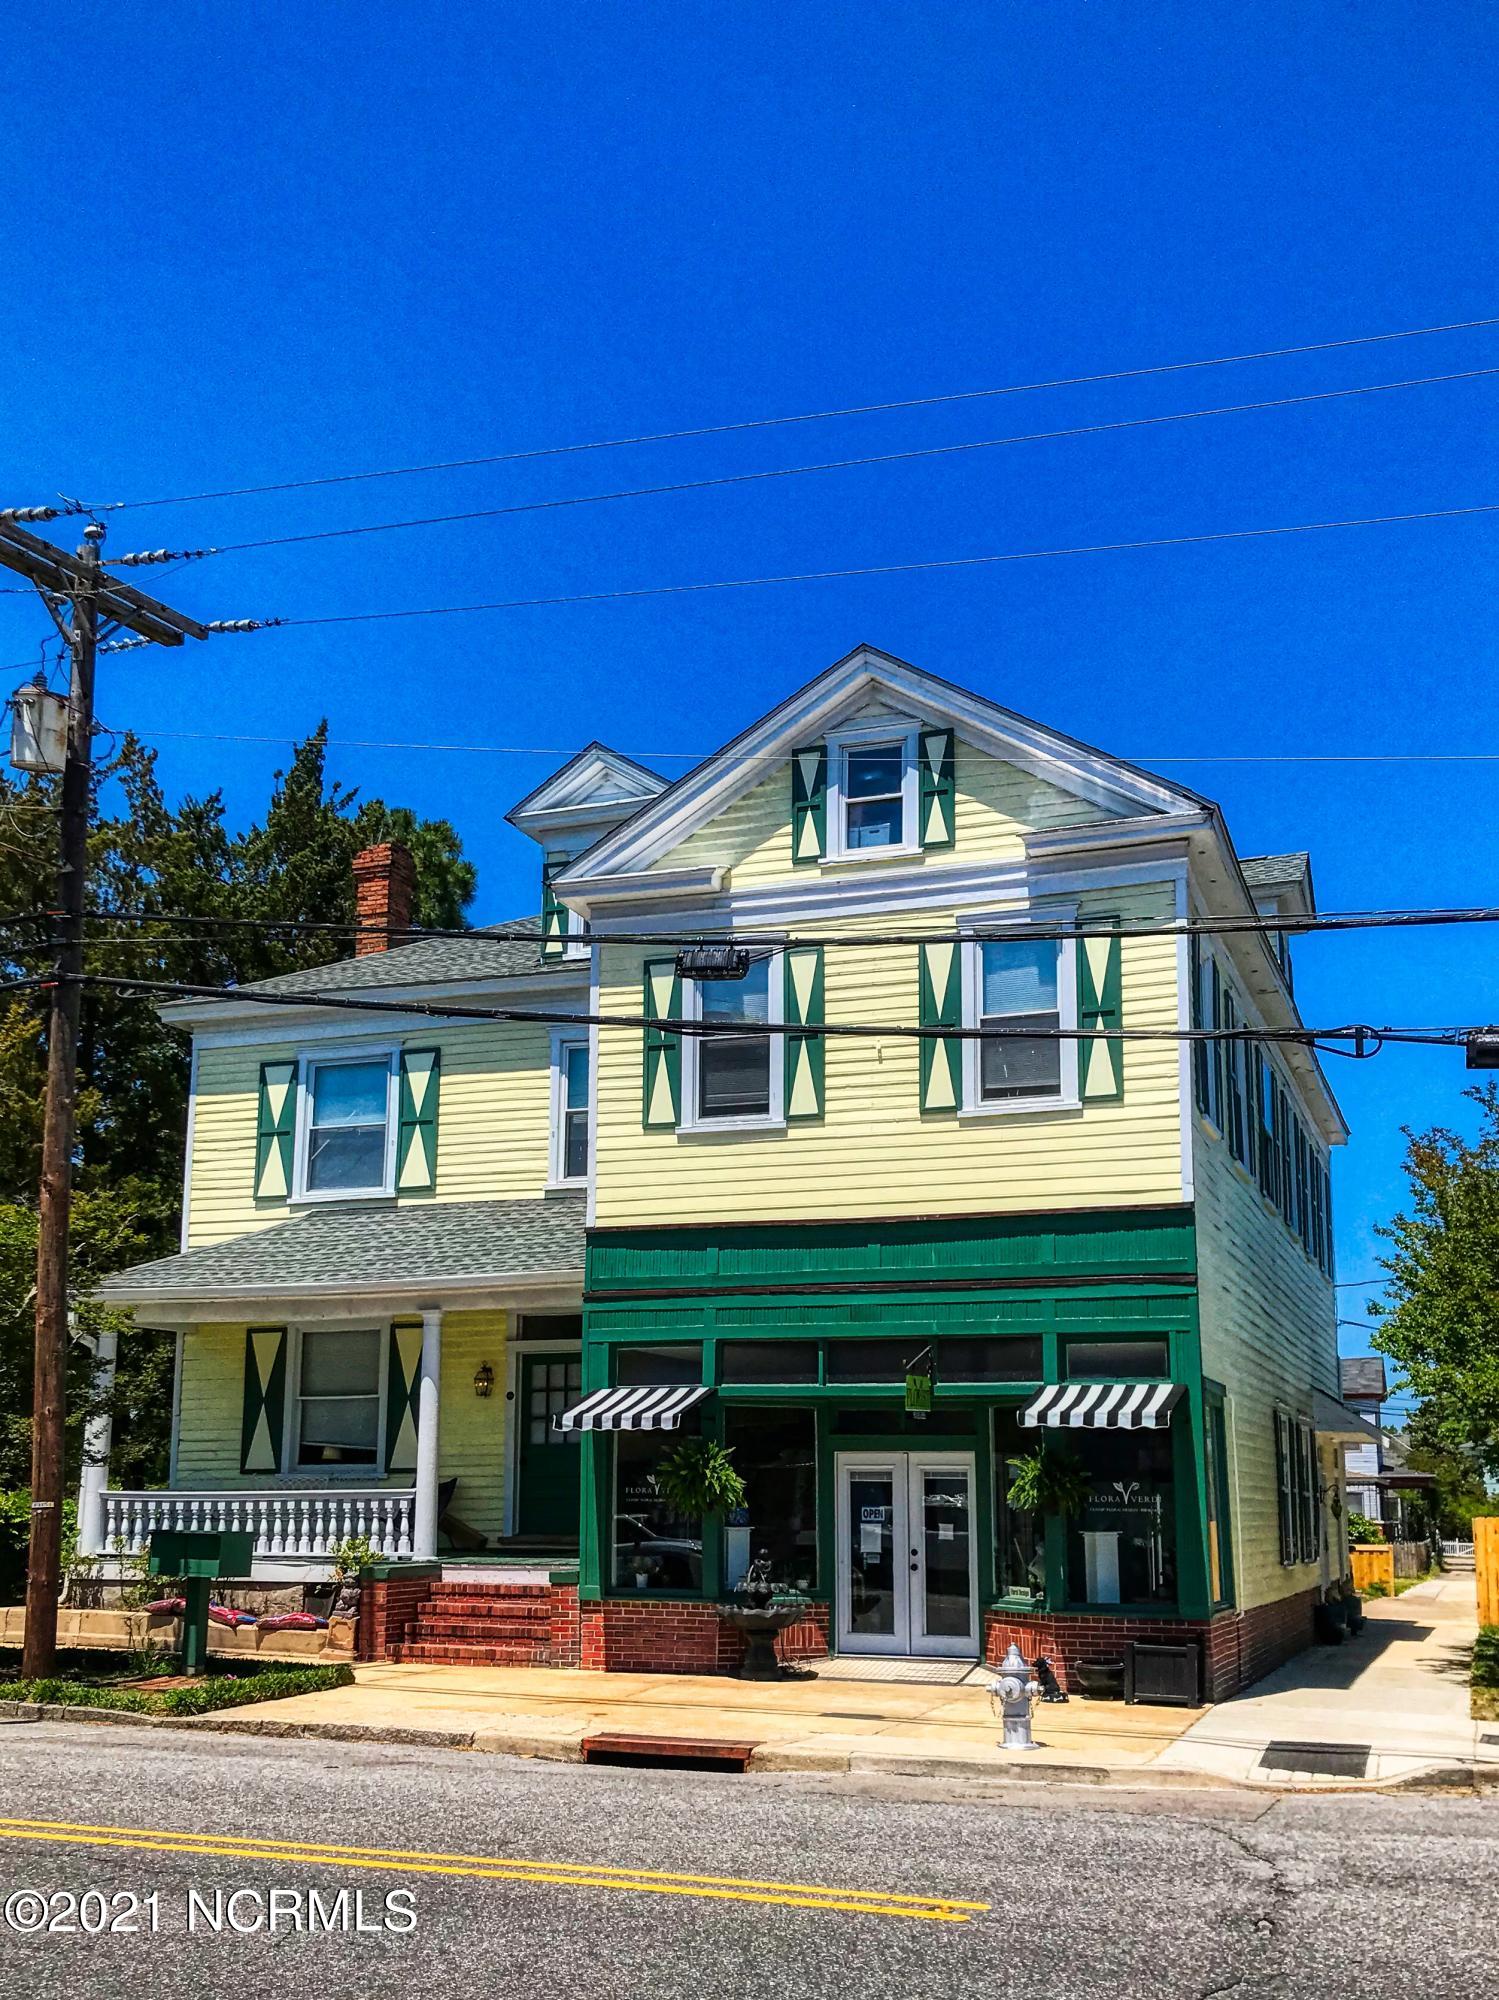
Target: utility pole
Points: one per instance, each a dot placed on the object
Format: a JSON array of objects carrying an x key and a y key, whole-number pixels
[{"x": 98, "y": 603}]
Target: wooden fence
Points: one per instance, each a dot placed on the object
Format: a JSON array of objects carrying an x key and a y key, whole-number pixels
[
  {"x": 1486, "y": 1562},
  {"x": 1373, "y": 1562}
]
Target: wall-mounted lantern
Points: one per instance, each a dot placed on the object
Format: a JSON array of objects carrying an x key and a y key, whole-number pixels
[
  {"x": 483, "y": 1379},
  {"x": 38, "y": 728}
]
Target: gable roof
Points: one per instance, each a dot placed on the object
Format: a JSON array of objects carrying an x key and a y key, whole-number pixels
[
  {"x": 695, "y": 798},
  {"x": 423, "y": 962},
  {"x": 596, "y": 786}
]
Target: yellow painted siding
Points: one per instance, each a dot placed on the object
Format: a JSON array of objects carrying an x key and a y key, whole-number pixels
[
  {"x": 996, "y": 805},
  {"x": 493, "y": 1127},
  {"x": 1268, "y": 1335},
  {"x": 873, "y": 1153},
  {"x": 471, "y": 1429}
]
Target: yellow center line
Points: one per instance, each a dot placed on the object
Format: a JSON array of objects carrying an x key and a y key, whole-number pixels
[{"x": 503, "y": 1868}]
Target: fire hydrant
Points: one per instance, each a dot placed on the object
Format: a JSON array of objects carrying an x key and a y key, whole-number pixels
[{"x": 1013, "y": 1693}]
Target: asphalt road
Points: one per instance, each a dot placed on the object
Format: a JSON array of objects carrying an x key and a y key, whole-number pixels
[{"x": 1127, "y": 1896}]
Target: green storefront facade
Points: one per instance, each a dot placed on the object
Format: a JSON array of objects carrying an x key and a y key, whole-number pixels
[{"x": 802, "y": 1336}]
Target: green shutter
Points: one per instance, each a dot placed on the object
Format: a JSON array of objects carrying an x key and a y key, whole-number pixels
[
  {"x": 263, "y": 1424},
  {"x": 809, "y": 804},
  {"x": 1328, "y": 1263},
  {"x": 1100, "y": 1059},
  {"x": 1216, "y": 1049},
  {"x": 403, "y": 1378},
  {"x": 804, "y": 1009},
  {"x": 662, "y": 1084},
  {"x": 275, "y": 1130},
  {"x": 1200, "y": 1055},
  {"x": 941, "y": 1007},
  {"x": 937, "y": 788},
  {"x": 554, "y": 914},
  {"x": 416, "y": 1140},
  {"x": 1285, "y": 1512}
]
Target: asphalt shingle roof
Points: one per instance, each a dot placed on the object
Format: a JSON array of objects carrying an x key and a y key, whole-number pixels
[
  {"x": 1363, "y": 1375},
  {"x": 425, "y": 962},
  {"x": 1264, "y": 871},
  {"x": 364, "y": 1248}
]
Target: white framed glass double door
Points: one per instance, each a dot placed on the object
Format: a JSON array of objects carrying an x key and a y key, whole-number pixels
[{"x": 907, "y": 1575}]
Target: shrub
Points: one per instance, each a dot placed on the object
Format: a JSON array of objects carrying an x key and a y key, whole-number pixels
[
  {"x": 15, "y": 1535},
  {"x": 199, "y": 1697},
  {"x": 1362, "y": 1529},
  {"x": 1486, "y": 1658}
]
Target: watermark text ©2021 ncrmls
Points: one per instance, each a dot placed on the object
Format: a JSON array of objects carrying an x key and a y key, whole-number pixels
[{"x": 206, "y": 1912}]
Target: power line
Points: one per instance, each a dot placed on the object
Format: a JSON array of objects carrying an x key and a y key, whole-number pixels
[
  {"x": 777, "y": 757},
  {"x": 1358, "y": 1033},
  {"x": 803, "y": 417},
  {"x": 890, "y": 569},
  {"x": 527, "y": 932},
  {"x": 792, "y": 471}
]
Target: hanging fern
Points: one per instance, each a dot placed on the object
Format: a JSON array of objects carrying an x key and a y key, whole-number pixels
[
  {"x": 1048, "y": 1480},
  {"x": 697, "y": 1477}
]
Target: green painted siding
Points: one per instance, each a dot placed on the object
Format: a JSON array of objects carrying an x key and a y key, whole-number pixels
[
  {"x": 1037, "y": 1249},
  {"x": 1269, "y": 1336}
]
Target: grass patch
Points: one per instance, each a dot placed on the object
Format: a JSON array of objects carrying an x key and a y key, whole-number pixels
[
  {"x": 1486, "y": 1704},
  {"x": 200, "y": 1697},
  {"x": 1486, "y": 1657}
]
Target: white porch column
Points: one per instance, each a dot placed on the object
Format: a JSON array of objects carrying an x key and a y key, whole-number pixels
[
  {"x": 98, "y": 1435},
  {"x": 424, "y": 1510}
]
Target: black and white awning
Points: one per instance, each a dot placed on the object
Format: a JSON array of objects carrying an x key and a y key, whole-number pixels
[
  {"x": 638, "y": 1408},
  {"x": 1104, "y": 1406}
]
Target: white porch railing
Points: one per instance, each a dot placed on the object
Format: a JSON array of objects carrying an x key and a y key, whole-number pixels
[{"x": 289, "y": 1522}]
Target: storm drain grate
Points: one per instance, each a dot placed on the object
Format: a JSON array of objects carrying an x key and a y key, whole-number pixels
[
  {"x": 1318, "y": 1760},
  {"x": 674, "y": 1753}
]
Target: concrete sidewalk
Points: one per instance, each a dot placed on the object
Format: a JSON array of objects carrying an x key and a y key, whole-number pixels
[
  {"x": 840, "y": 1725},
  {"x": 1399, "y": 1690}
]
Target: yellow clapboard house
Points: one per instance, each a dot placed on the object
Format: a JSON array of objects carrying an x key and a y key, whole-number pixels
[{"x": 849, "y": 1120}]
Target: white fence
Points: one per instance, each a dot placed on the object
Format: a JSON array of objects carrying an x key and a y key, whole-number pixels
[{"x": 290, "y": 1523}]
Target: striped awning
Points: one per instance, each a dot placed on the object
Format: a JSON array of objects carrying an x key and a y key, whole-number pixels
[
  {"x": 1105, "y": 1406},
  {"x": 640, "y": 1407}
]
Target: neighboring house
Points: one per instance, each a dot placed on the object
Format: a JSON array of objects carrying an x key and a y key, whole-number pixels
[
  {"x": 1381, "y": 1480},
  {"x": 413, "y": 1243},
  {"x": 1365, "y": 1387}
]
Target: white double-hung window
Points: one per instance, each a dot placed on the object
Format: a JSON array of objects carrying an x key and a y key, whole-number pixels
[
  {"x": 734, "y": 1079},
  {"x": 346, "y": 1144},
  {"x": 1024, "y": 988},
  {"x": 570, "y": 1109},
  {"x": 339, "y": 1374},
  {"x": 873, "y": 788}
]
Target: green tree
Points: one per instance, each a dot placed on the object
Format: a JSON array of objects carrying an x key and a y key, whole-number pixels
[
  {"x": 158, "y": 861},
  {"x": 1441, "y": 1324}
]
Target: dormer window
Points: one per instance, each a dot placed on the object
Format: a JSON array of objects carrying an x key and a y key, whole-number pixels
[{"x": 872, "y": 792}]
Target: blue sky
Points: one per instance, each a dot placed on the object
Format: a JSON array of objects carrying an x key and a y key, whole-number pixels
[{"x": 249, "y": 253}]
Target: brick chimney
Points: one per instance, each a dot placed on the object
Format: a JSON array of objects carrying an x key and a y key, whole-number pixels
[{"x": 384, "y": 893}]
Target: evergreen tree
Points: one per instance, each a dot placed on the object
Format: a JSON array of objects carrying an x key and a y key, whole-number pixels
[{"x": 149, "y": 858}]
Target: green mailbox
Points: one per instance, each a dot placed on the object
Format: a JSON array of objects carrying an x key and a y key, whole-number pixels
[{"x": 198, "y": 1557}]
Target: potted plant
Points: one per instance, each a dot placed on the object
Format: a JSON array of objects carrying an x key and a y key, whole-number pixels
[
  {"x": 1048, "y": 1480},
  {"x": 697, "y": 1477}
]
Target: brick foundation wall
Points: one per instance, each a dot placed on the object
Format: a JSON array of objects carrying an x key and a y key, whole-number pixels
[
  {"x": 387, "y": 1611},
  {"x": 631, "y": 1635},
  {"x": 1238, "y": 1647},
  {"x": 567, "y": 1630}
]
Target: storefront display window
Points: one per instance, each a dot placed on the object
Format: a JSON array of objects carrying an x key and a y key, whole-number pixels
[
  {"x": 654, "y": 1548},
  {"x": 775, "y": 1454},
  {"x": 1020, "y": 1534},
  {"x": 1121, "y": 1544}
]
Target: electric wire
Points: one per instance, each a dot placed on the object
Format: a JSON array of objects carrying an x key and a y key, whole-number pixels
[
  {"x": 889, "y": 569},
  {"x": 802, "y": 417},
  {"x": 1361, "y": 1034},
  {"x": 789, "y": 471}
]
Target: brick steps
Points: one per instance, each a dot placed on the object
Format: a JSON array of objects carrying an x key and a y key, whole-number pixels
[{"x": 481, "y": 1624}]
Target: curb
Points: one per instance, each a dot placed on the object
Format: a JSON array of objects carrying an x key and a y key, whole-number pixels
[{"x": 766, "y": 1760}]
